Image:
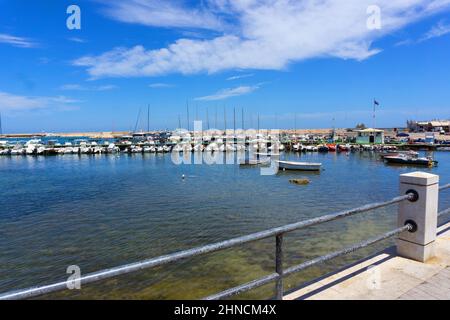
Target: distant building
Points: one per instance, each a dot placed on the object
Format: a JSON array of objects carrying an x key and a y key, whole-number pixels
[
  {"x": 369, "y": 135},
  {"x": 429, "y": 126}
]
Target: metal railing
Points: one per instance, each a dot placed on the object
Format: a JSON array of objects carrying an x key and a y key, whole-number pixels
[{"x": 277, "y": 276}]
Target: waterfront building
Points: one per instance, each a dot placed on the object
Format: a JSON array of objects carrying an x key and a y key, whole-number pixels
[
  {"x": 369, "y": 135},
  {"x": 442, "y": 126}
]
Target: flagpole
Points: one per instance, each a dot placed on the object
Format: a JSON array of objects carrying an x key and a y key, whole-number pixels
[{"x": 374, "y": 113}]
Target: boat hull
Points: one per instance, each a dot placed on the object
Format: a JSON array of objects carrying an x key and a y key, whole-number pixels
[
  {"x": 415, "y": 162},
  {"x": 299, "y": 166}
]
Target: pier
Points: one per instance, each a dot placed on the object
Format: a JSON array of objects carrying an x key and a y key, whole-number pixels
[
  {"x": 414, "y": 267},
  {"x": 386, "y": 276}
]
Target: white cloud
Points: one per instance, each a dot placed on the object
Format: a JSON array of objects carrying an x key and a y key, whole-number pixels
[
  {"x": 17, "y": 41},
  {"x": 76, "y": 39},
  {"x": 228, "y": 93},
  {"x": 13, "y": 103},
  {"x": 78, "y": 87},
  {"x": 260, "y": 34},
  {"x": 162, "y": 13},
  {"x": 160, "y": 85},
  {"x": 436, "y": 31},
  {"x": 242, "y": 76}
]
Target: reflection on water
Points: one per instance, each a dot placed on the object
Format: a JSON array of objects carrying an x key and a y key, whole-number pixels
[{"x": 103, "y": 211}]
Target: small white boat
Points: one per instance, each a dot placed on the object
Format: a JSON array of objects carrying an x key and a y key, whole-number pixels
[
  {"x": 212, "y": 147},
  {"x": 177, "y": 148},
  {"x": 112, "y": 148},
  {"x": 302, "y": 166},
  {"x": 17, "y": 150},
  {"x": 297, "y": 147},
  {"x": 40, "y": 150},
  {"x": 198, "y": 148}
]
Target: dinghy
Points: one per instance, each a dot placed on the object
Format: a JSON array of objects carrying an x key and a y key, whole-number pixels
[{"x": 301, "y": 166}]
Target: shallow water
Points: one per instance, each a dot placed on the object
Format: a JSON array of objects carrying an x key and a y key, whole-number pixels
[{"x": 106, "y": 210}]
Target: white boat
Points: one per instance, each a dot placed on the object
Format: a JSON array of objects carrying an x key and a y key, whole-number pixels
[
  {"x": 68, "y": 150},
  {"x": 230, "y": 147},
  {"x": 212, "y": 147},
  {"x": 302, "y": 166},
  {"x": 198, "y": 148},
  {"x": 177, "y": 148},
  {"x": 136, "y": 149},
  {"x": 30, "y": 149},
  {"x": 297, "y": 147},
  {"x": 112, "y": 148},
  {"x": 17, "y": 150},
  {"x": 40, "y": 150}
]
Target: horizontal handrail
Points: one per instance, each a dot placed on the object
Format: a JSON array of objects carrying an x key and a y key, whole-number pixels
[
  {"x": 274, "y": 276},
  {"x": 162, "y": 260},
  {"x": 446, "y": 211}
]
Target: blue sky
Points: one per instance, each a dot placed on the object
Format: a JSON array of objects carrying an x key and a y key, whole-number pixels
[{"x": 314, "y": 59}]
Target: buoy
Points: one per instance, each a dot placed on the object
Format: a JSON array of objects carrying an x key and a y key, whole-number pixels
[{"x": 183, "y": 176}]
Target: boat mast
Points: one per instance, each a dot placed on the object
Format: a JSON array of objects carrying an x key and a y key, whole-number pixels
[
  {"x": 258, "y": 123},
  {"x": 295, "y": 125},
  {"x": 225, "y": 120},
  {"x": 215, "y": 119},
  {"x": 148, "y": 118},
  {"x": 137, "y": 120},
  {"x": 207, "y": 117},
  {"x": 234, "y": 121},
  {"x": 1, "y": 128},
  {"x": 243, "y": 118},
  {"x": 187, "y": 108}
]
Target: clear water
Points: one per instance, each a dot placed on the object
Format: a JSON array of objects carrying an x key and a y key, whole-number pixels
[{"x": 106, "y": 210}]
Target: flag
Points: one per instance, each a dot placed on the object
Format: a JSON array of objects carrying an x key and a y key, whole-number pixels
[{"x": 375, "y": 102}]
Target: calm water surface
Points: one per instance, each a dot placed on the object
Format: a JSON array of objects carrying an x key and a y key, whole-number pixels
[{"x": 103, "y": 211}]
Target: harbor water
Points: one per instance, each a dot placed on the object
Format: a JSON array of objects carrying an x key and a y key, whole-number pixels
[{"x": 102, "y": 211}]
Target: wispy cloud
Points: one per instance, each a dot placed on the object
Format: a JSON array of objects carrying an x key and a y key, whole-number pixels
[
  {"x": 440, "y": 29},
  {"x": 14, "y": 103},
  {"x": 162, "y": 13},
  {"x": 78, "y": 87},
  {"x": 17, "y": 41},
  {"x": 436, "y": 31},
  {"x": 242, "y": 76},
  {"x": 160, "y": 85},
  {"x": 228, "y": 93},
  {"x": 264, "y": 34},
  {"x": 76, "y": 39}
]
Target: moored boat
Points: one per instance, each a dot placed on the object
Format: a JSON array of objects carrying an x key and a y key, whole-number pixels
[
  {"x": 408, "y": 160},
  {"x": 301, "y": 166},
  {"x": 331, "y": 147}
]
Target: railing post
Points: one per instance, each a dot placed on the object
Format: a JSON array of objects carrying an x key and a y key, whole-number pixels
[
  {"x": 279, "y": 266},
  {"x": 421, "y": 212}
]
